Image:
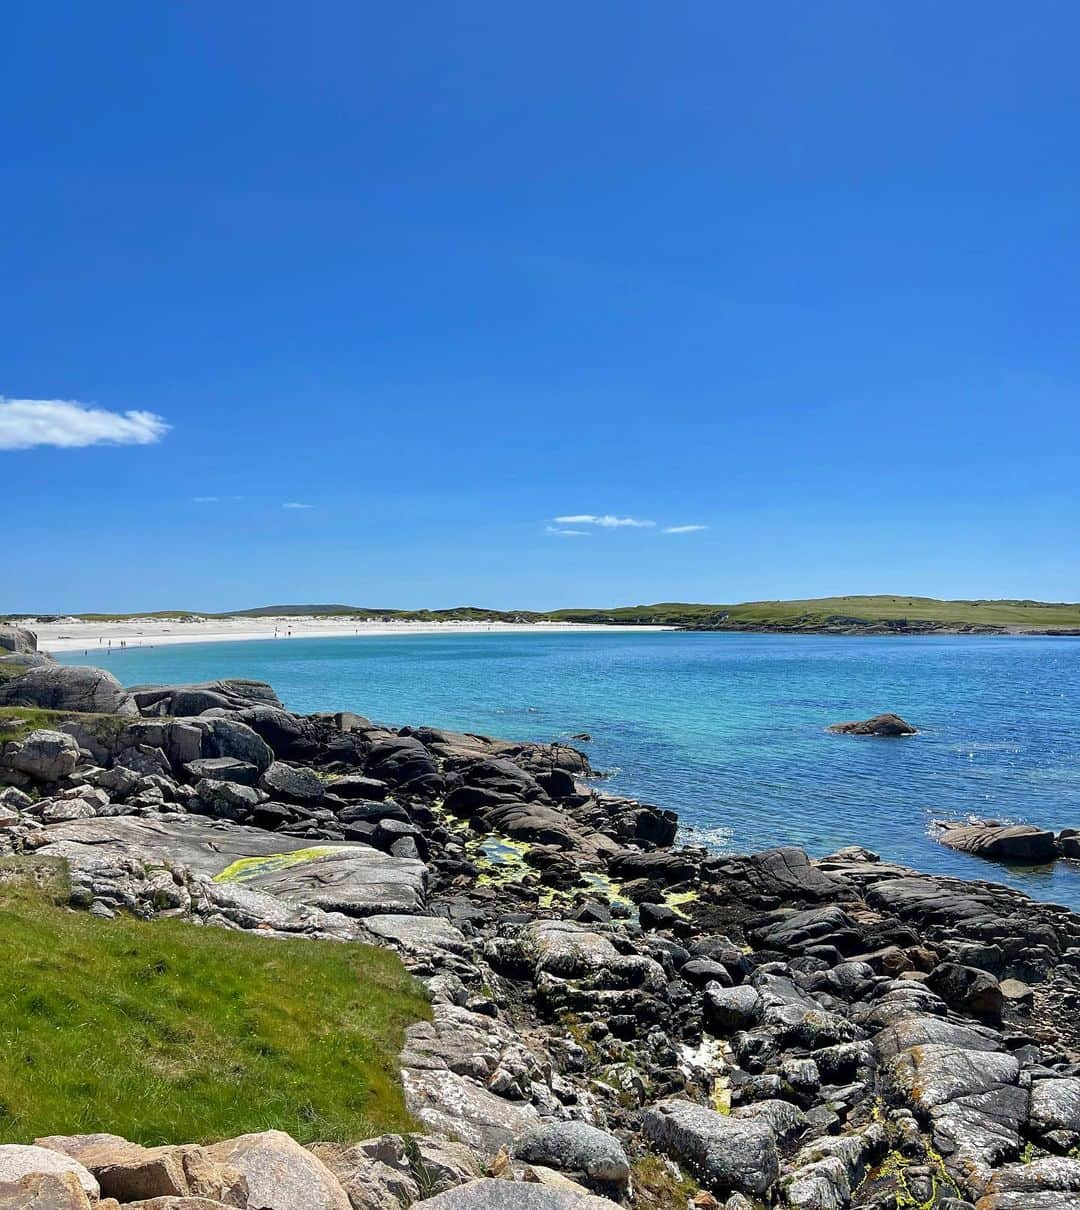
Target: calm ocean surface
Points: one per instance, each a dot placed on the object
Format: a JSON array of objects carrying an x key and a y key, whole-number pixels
[{"x": 728, "y": 729}]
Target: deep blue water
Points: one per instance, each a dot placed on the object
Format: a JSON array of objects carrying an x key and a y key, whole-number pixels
[{"x": 729, "y": 729}]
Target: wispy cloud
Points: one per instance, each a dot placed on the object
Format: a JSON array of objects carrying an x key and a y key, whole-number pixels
[
  {"x": 205, "y": 499},
  {"x": 605, "y": 521},
  {"x": 26, "y": 423},
  {"x": 296, "y": 504},
  {"x": 559, "y": 532},
  {"x": 683, "y": 529}
]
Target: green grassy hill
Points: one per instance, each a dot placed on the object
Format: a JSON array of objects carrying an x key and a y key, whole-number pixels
[
  {"x": 166, "y": 1031},
  {"x": 828, "y": 614}
]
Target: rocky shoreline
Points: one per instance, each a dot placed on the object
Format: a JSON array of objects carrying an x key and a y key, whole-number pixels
[{"x": 615, "y": 1016}]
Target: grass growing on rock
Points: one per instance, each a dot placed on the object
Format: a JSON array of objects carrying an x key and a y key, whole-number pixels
[{"x": 167, "y": 1032}]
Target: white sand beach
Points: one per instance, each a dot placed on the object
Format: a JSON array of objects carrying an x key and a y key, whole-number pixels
[{"x": 74, "y": 634}]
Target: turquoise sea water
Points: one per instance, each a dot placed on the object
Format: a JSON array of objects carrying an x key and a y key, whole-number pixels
[{"x": 728, "y": 729}]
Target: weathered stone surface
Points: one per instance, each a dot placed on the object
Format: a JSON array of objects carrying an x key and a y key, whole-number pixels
[
  {"x": 566, "y": 949},
  {"x": 1055, "y": 1105},
  {"x": 726, "y": 1154},
  {"x": 576, "y": 1147},
  {"x": 17, "y": 1161},
  {"x": 280, "y": 1174},
  {"x": 350, "y": 878},
  {"x": 511, "y": 1195},
  {"x": 456, "y": 1106},
  {"x": 417, "y": 934},
  {"x": 43, "y": 755},
  {"x": 49, "y": 1192},
  {"x": 886, "y": 725},
  {"x": 68, "y": 687},
  {"x": 17, "y": 639}
]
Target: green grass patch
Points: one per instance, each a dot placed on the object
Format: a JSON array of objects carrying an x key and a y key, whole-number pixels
[
  {"x": 169, "y": 1032},
  {"x": 17, "y": 721}
]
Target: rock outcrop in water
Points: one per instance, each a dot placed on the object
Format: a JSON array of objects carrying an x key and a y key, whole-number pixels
[
  {"x": 888, "y": 726},
  {"x": 614, "y": 1017}
]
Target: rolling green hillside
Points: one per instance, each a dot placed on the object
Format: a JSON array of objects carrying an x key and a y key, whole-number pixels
[{"x": 839, "y": 615}]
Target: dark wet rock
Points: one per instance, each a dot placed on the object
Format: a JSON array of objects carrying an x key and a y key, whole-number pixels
[
  {"x": 291, "y": 784},
  {"x": 184, "y": 700},
  {"x": 662, "y": 866},
  {"x": 68, "y": 687},
  {"x": 355, "y": 787},
  {"x": 997, "y": 842},
  {"x": 726, "y": 1154},
  {"x": 885, "y": 725},
  {"x": 403, "y": 761},
  {"x": 968, "y": 988},
  {"x": 785, "y": 873},
  {"x": 289, "y": 737},
  {"x": 728, "y": 1009}
]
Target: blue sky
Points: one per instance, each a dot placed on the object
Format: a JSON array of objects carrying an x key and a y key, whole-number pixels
[{"x": 804, "y": 276}]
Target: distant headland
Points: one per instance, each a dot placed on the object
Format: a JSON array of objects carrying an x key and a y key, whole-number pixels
[{"x": 850, "y": 615}]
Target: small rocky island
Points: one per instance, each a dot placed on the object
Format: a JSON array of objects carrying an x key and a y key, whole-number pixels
[{"x": 615, "y": 1018}]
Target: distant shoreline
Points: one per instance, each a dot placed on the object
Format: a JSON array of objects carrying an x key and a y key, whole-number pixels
[{"x": 73, "y": 636}]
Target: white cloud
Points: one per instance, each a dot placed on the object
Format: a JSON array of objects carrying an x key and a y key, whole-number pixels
[
  {"x": 566, "y": 533},
  {"x": 206, "y": 499},
  {"x": 606, "y": 521},
  {"x": 26, "y": 423},
  {"x": 683, "y": 529},
  {"x": 295, "y": 504}
]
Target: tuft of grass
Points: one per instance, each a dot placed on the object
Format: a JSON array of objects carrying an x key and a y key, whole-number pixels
[
  {"x": 170, "y": 1032},
  {"x": 660, "y": 1184}
]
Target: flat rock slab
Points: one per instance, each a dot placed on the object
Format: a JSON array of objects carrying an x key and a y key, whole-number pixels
[
  {"x": 416, "y": 934},
  {"x": 351, "y": 878},
  {"x": 491, "y": 1194}
]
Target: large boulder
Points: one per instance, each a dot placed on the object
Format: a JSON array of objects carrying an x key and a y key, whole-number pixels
[
  {"x": 403, "y": 761},
  {"x": 17, "y": 1161},
  {"x": 280, "y": 1174},
  {"x": 1000, "y": 842},
  {"x": 43, "y": 755},
  {"x": 578, "y": 1149},
  {"x": 727, "y": 1154},
  {"x": 282, "y": 781},
  {"x": 17, "y": 639},
  {"x": 889, "y": 726},
  {"x": 290, "y": 737},
  {"x": 68, "y": 687}
]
